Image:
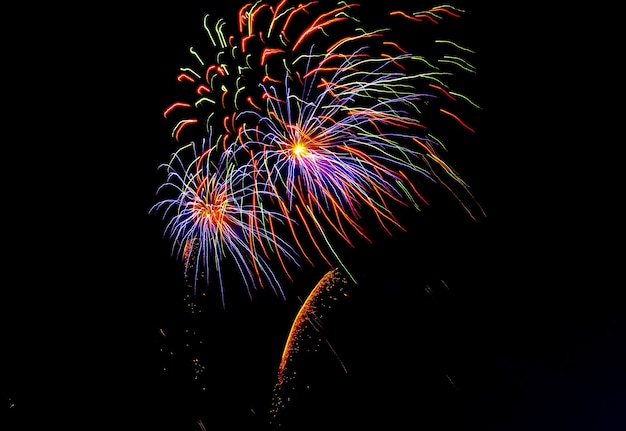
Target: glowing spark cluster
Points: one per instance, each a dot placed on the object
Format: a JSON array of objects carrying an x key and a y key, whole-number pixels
[{"x": 332, "y": 287}]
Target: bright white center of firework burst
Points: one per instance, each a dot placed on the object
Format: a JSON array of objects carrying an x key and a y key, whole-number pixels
[
  {"x": 212, "y": 214},
  {"x": 299, "y": 150}
]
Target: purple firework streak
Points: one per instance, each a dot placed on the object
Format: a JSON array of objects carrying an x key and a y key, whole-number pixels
[{"x": 314, "y": 122}]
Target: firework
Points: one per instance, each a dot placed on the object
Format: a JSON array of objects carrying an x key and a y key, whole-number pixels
[
  {"x": 214, "y": 219},
  {"x": 346, "y": 144},
  {"x": 317, "y": 125}
]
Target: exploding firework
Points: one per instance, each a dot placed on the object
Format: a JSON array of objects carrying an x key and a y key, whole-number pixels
[
  {"x": 344, "y": 145},
  {"x": 214, "y": 219},
  {"x": 318, "y": 124}
]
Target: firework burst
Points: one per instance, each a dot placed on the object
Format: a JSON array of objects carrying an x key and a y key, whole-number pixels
[
  {"x": 315, "y": 122},
  {"x": 214, "y": 219}
]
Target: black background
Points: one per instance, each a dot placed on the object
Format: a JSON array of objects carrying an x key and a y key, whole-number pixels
[{"x": 512, "y": 322}]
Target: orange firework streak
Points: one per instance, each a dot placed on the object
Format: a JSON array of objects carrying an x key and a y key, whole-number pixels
[{"x": 307, "y": 312}]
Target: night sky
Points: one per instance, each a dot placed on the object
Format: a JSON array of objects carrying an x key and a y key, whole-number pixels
[{"x": 509, "y": 322}]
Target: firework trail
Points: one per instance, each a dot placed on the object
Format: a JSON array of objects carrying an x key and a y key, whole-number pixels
[
  {"x": 317, "y": 123},
  {"x": 332, "y": 287}
]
